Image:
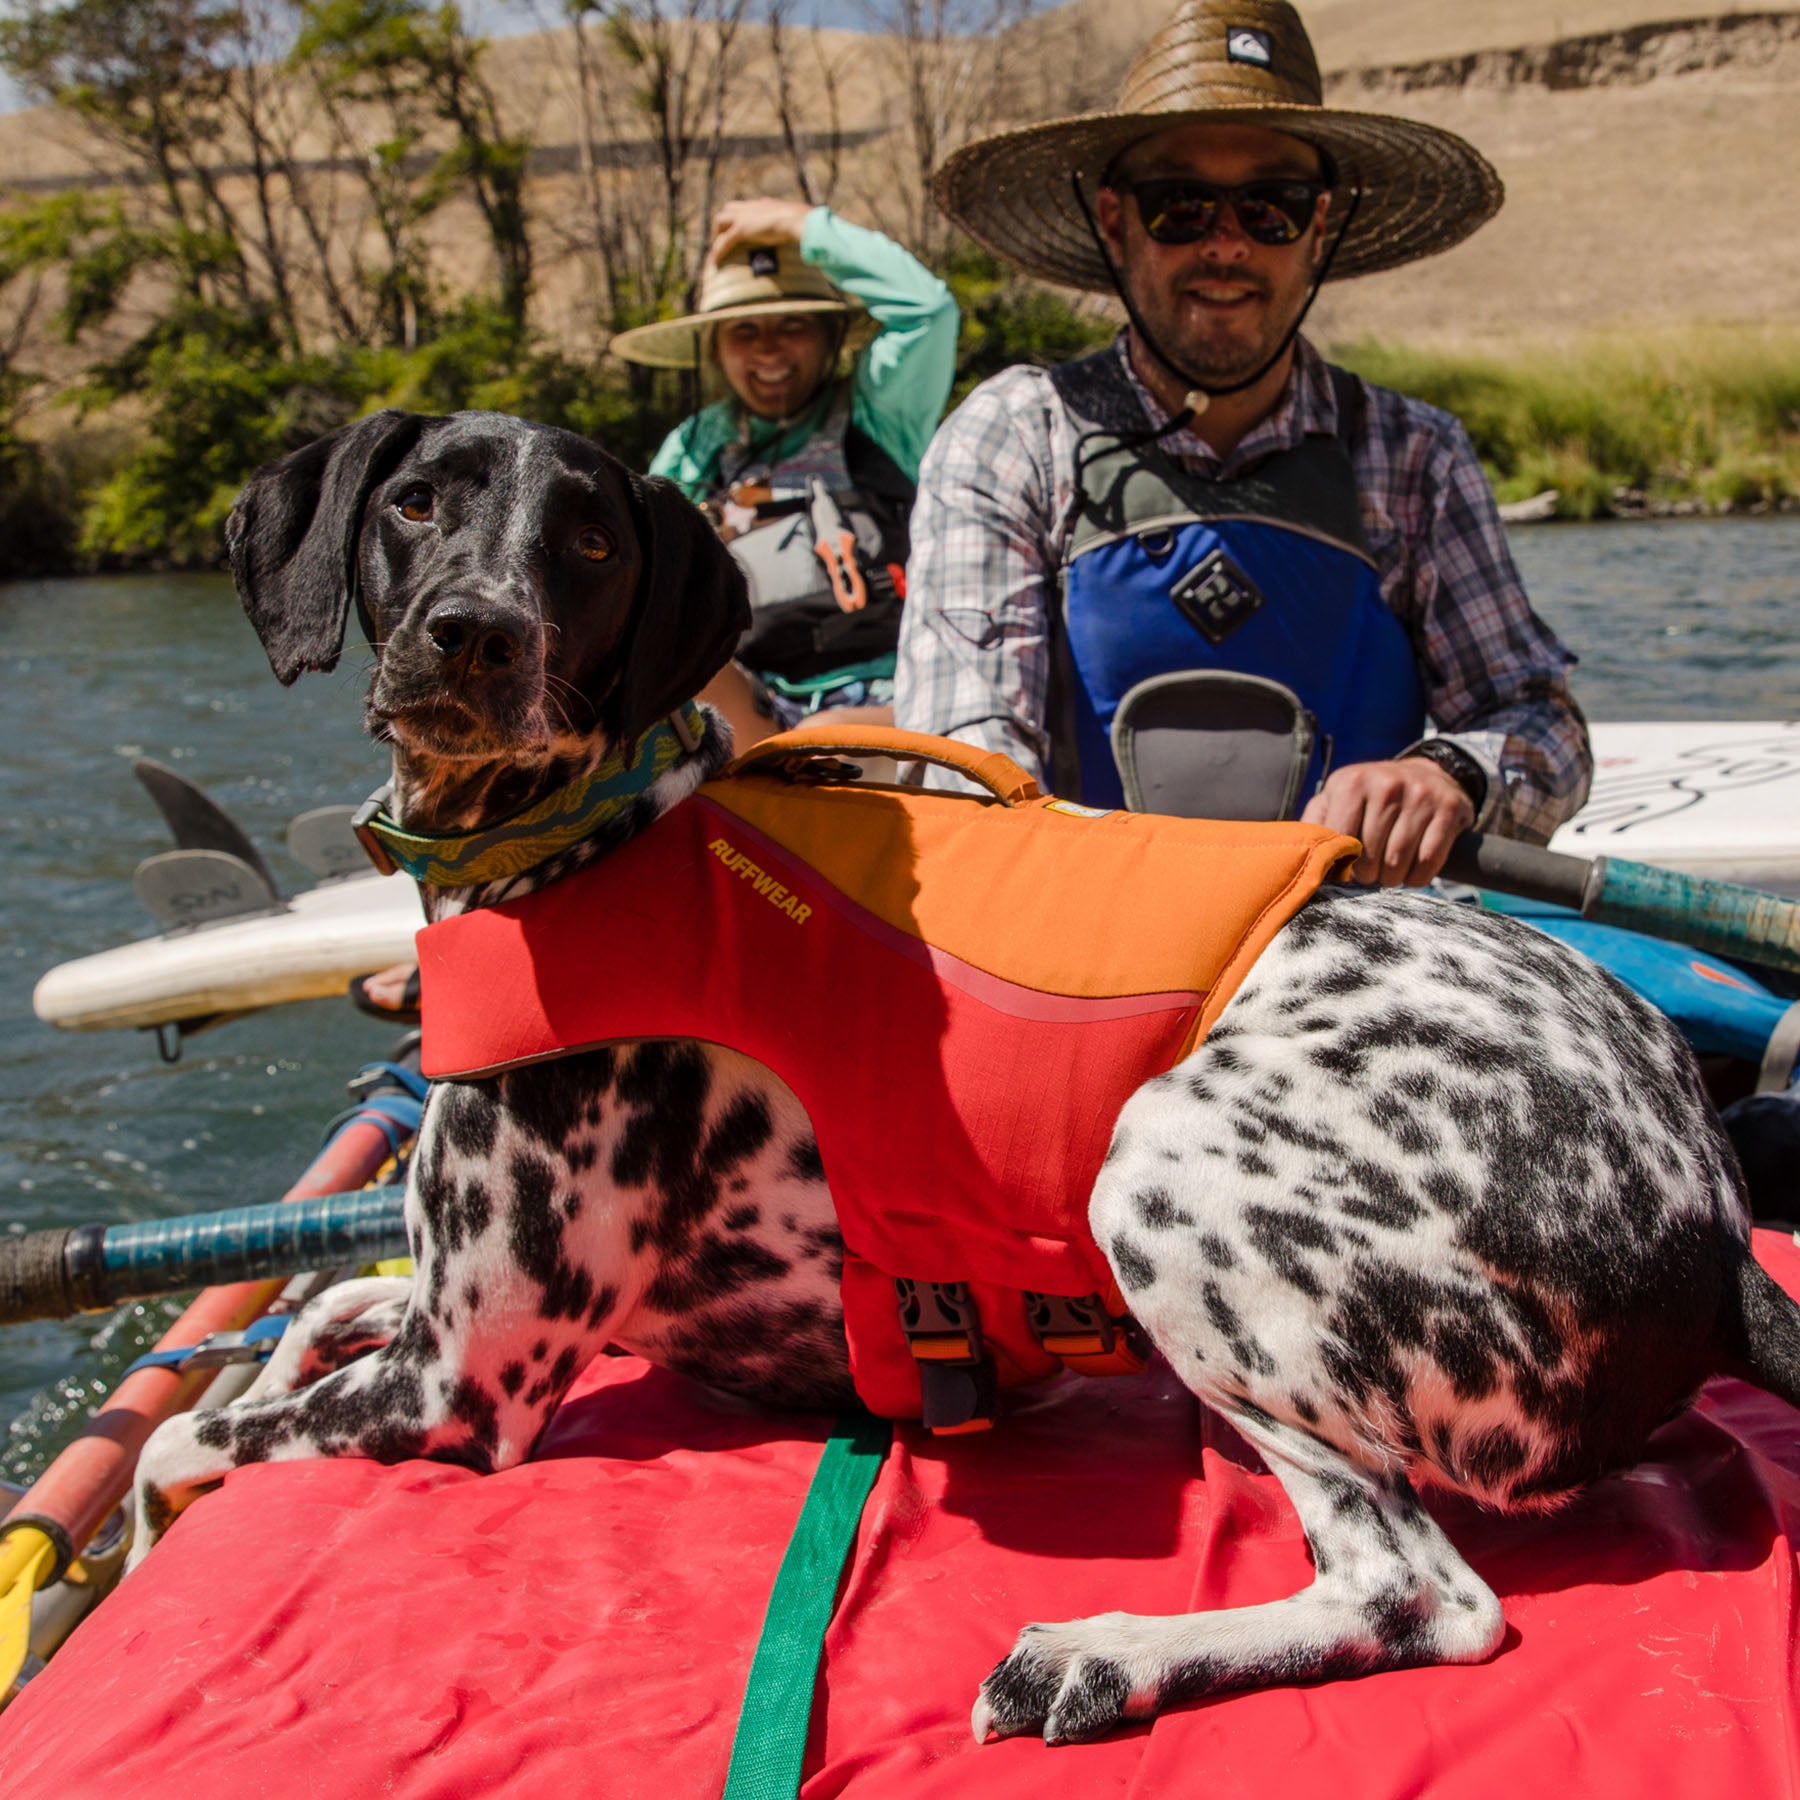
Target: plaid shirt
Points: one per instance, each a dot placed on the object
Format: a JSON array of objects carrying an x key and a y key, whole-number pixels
[{"x": 992, "y": 524}]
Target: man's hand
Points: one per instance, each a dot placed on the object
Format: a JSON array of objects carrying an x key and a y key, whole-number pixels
[
  {"x": 1407, "y": 813},
  {"x": 758, "y": 221}
]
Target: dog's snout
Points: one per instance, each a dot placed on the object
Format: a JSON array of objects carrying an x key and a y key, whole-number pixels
[{"x": 474, "y": 639}]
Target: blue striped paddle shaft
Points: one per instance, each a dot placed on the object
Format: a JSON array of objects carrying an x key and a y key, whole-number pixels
[
  {"x": 1740, "y": 923},
  {"x": 253, "y": 1243}
]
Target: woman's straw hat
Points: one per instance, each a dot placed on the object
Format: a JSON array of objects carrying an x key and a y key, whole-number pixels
[
  {"x": 1234, "y": 62},
  {"x": 748, "y": 281}
]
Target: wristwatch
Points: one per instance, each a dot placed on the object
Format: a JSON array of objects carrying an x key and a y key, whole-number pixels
[{"x": 1457, "y": 763}]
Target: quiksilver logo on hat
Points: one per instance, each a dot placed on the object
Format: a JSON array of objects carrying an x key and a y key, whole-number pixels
[
  {"x": 767, "y": 262},
  {"x": 1247, "y": 46}
]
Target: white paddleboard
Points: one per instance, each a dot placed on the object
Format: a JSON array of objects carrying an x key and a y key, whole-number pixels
[
  {"x": 1719, "y": 800},
  {"x": 308, "y": 950}
]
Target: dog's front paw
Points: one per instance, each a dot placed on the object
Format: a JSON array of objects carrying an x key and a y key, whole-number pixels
[{"x": 1068, "y": 1682}]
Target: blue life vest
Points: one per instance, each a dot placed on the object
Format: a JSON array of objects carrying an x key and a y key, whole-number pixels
[{"x": 1267, "y": 574}]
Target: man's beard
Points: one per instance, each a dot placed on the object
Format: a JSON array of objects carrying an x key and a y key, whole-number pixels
[{"x": 1215, "y": 352}]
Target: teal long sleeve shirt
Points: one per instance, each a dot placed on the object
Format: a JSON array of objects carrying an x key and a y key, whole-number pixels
[{"x": 901, "y": 380}]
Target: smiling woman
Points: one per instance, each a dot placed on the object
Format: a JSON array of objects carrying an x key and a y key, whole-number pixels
[{"x": 836, "y": 349}]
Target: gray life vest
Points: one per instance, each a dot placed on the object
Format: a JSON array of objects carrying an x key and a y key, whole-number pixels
[{"x": 801, "y": 628}]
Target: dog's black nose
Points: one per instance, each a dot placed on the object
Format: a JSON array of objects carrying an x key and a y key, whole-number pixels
[{"x": 472, "y": 639}]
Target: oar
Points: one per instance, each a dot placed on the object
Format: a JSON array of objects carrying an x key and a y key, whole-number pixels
[
  {"x": 51, "y": 1274},
  {"x": 1740, "y": 923},
  {"x": 84, "y": 1268},
  {"x": 53, "y": 1522}
]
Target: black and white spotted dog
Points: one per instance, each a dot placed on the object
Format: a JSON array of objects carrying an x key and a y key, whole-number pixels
[{"x": 1437, "y": 1200}]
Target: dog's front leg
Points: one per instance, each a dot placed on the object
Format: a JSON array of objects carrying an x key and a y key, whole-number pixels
[
  {"x": 1390, "y": 1592},
  {"x": 375, "y": 1407},
  {"x": 334, "y": 1328}
]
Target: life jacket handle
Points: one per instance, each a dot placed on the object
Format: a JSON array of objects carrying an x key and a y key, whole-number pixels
[{"x": 1000, "y": 775}]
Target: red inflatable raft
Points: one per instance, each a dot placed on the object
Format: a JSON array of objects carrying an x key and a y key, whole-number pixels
[{"x": 583, "y": 1625}]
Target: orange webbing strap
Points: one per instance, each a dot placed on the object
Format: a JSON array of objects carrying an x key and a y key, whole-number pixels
[{"x": 1000, "y": 775}]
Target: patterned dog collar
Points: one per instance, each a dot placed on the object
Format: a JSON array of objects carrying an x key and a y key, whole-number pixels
[{"x": 551, "y": 825}]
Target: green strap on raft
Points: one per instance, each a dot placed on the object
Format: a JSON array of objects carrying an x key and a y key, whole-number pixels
[{"x": 772, "y": 1726}]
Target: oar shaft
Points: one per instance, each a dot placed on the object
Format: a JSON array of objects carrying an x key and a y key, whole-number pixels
[
  {"x": 50, "y": 1274},
  {"x": 1741, "y": 923}
]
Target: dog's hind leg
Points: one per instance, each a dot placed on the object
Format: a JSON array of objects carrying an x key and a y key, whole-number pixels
[{"x": 1389, "y": 1592}]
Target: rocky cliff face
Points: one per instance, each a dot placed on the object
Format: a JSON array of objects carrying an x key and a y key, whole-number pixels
[
  {"x": 1650, "y": 170},
  {"x": 1739, "y": 43}
]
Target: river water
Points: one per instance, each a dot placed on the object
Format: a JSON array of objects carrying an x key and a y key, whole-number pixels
[{"x": 1673, "y": 620}]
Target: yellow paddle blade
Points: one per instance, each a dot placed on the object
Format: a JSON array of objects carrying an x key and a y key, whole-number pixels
[{"x": 26, "y": 1558}]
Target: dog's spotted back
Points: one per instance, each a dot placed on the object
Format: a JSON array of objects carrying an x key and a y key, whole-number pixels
[{"x": 1471, "y": 1184}]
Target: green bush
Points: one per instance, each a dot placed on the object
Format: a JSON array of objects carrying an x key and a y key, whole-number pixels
[
  {"x": 477, "y": 361},
  {"x": 218, "y": 396},
  {"x": 1008, "y": 320}
]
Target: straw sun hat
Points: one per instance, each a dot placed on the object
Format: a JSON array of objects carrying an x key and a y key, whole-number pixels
[
  {"x": 1231, "y": 62},
  {"x": 750, "y": 280}
]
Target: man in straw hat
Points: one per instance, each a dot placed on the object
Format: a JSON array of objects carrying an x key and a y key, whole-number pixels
[
  {"x": 1208, "y": 494},
  {"x": 837, "y": 350}
]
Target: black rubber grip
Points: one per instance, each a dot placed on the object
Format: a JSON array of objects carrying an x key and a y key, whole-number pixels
[
  {"x": 1510, "y": 867},
  {"x": 34, "y": 1277},
  {"x": 84, "y": 1269}
]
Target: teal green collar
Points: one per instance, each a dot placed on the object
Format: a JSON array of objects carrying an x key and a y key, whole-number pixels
[{"x": 553, "y": 824}]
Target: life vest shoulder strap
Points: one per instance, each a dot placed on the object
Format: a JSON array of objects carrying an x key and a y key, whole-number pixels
[{"x": 1127, "y": 485}]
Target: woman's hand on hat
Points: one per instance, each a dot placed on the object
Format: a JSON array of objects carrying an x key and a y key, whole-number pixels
[{"x": 762, "y": 220}]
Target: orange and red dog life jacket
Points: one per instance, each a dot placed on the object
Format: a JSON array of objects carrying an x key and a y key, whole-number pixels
[{"x": 962, "y": 994}]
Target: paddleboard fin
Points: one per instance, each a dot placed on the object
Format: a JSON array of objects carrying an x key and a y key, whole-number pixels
[
  {"x": 196, "y": 887},
  {"x": 324, "y": 841},
  {"x": 196, "y": 820}
]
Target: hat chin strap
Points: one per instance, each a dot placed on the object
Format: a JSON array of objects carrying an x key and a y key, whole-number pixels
[{"x": 1199, "y": 394}]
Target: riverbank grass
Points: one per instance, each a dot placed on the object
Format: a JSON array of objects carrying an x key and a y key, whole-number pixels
[{"x": 1619, "y": 424}]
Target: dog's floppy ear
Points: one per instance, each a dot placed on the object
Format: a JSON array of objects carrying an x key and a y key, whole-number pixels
[
  {"x": 690, "y": 610},
  {"x": 292, "y": 538}
]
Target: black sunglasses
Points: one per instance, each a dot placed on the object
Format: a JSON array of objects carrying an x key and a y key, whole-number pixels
[{"x": 1178, "y": 210}]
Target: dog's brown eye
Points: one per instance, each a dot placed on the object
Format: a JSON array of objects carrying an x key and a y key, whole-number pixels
[
  {"x": 415, "y": 504},
  {"x": 594, "y": 544}
]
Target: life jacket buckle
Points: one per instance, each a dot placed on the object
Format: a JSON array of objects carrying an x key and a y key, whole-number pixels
[
  {"x": 813, "y": 771},
  {"x": 1093, "y": 1335},
  {"x": 958, "y": 1383}
]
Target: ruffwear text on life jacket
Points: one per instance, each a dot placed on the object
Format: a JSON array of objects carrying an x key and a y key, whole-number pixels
[{"x": 759, "y": 878}]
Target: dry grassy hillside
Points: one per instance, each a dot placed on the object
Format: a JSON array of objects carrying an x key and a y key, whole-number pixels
[
  {"x": 1353, "y": 34},
  {"x": 1652, "y": 168},
  {"x": 1656, "y": 195}
]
